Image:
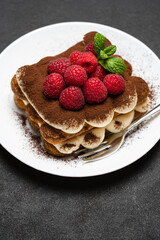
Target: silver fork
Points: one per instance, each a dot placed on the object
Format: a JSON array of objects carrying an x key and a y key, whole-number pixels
[{"x": 113, "y": 142}]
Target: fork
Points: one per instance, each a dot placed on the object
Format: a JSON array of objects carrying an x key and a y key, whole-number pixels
[{"x": 113, "y": 142}]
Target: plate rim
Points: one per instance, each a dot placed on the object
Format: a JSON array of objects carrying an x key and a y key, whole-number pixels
[{"x": 86, "y": 23}]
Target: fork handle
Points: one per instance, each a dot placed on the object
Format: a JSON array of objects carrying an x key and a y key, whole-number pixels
[{"x": 147, "y": 115}]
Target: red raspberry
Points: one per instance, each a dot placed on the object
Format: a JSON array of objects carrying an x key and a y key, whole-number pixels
[
  {"x": 74, "y": 57},
  {"x": 58, "y": 66},
  {"x": 116, "y": 56},
  {"x": 94, "y": 91},
  {"x": 75, "y": 75},
  {"x": 88, "y": 61},
  {"x": 53, "y": 85},
  {"x": 72, "y": 98},
  {"x": 90, "y": 48},
  {"x": 98, "y": 72},
  {"x": 114, "y": 83}
]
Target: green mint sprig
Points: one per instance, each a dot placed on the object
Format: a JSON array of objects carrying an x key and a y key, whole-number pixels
[
  {"x": 99, "y": 43},
  {"x": 110, "y": 63}
]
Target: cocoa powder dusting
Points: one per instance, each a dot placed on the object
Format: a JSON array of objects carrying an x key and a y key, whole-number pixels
[
  {"x": 68, "y": 146},
  {"x": 153, "y": 95},
  {"x": 141, "y": 88},
  {"x": 22, "y": 119},
  {"x": 32, "y": 84},
  {"x": 91, "y": 138},
  {"x": 117, "y": 124},
  {"x": 34, "y": 140}
]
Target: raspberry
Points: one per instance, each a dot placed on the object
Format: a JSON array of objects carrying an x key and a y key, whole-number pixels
[
  {"x": 58, "y": 66},
  {"x": 74, "y": 57},
  {"x": 116, "y": 56},
  {"x": 53, "y": 85},
  {"x": 72, "y": 98},
  {"x": 88, "y": 61},
  {"x": 94, "y": 91},
  {"x": 114, "y": 83},
  {"x": 90, "y": 48},
  {"x": 75, "y": 75},
  {"x": 98, "y": 72}
]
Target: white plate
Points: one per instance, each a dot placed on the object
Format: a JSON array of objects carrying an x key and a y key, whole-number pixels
[{"x": 51, "y": 40}]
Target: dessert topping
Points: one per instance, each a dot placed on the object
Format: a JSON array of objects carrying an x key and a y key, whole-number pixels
[
  {"x": 75, "y": 75},
  {"x": 94, "y": 61},
  {"x": 98, "y": 72},
  {"x": 114, "y": 83},
  {"x": 74, "y": 57},
  {"x": 88, "y": 61},
  {"x": 115, "y": 55},
  {"x": 90, "y": 48},
  {"x": 58, "y": 66},
  {"x": 105, "y": 56},
  {"x": 94, "y": 91},
  {"x": 53, "y": 85},
  {"x": 114, "y": 65},
  {"x": 72, "y": 98}
]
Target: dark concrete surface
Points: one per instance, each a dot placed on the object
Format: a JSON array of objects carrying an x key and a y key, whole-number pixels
[{"x": 122, "y": 205}]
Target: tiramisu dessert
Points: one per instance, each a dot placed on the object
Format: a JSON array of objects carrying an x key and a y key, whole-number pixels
[{"x": 75, "y": 98}]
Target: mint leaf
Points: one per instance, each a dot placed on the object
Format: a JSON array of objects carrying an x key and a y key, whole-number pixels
[
  {"x": 103, "y": 55},
  {"x": 113, "y": 65},
  {"x": 103, "y": 63},
  {"x": 110, "y": 50},
  {"x": 99, "y": 43}
]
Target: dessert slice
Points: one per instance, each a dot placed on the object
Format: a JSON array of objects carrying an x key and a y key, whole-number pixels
[{"x": 75, "y": 98}]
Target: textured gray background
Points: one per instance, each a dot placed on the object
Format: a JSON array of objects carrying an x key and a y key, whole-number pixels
[{"x": 121, "y": 205}]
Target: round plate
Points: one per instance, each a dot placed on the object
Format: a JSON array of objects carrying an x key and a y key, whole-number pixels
[{"x": 18, "y": 138}]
